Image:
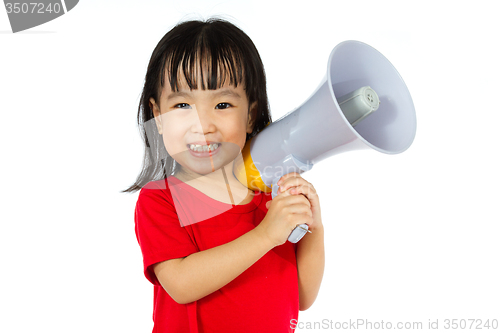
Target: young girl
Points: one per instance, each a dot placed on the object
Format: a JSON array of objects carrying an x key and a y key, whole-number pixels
[{"x": 215, "y": 251}]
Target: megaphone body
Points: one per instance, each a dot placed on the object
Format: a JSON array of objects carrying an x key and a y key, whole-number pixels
[{"x": 327, "y": 123}]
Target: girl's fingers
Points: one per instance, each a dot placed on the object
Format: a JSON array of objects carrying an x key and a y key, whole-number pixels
[
  {"x": 288, "y": 175},
  {"x": 291, "y": 182},
  {"x": 306, "y": 190},
  {"x": 298, "y": 199},
  {"x": 309, "y": 192}
]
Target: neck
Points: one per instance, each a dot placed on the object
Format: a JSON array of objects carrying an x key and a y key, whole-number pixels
[
  {"x": 218, "y": 184},
  {"x": 217, "y": 178}
]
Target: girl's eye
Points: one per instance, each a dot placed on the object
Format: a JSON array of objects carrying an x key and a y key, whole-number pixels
[
  {"x": 223, "y": 106},
  {"x": 182, "y": 106}
]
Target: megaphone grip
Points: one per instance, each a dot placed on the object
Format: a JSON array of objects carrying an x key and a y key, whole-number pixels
[{"x": 298, "y": 233}]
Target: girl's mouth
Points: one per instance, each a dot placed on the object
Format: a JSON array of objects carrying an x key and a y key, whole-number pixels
[{"x": 204, "y": 150}]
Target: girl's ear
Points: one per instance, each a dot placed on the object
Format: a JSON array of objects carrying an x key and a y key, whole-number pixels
[
  {"x": 252, "y": 114},
  {"x": 156, "y": 114}
]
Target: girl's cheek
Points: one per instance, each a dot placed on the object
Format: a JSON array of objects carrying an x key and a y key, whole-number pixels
[{"x": 172, "y": 145}]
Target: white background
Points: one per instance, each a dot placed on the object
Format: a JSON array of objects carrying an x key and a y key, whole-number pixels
[{"x": 409, "y": 237}]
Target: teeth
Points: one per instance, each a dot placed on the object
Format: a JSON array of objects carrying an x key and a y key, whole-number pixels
[{"x": 200, "y": 148}]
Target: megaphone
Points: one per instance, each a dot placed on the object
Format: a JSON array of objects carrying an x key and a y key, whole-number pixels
[{"x": 362, "y": 103}]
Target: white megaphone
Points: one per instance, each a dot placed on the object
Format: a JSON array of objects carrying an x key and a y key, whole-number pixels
[{"x": 358, "y": 79}]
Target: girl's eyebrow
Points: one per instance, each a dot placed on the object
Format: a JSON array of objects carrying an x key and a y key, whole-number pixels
[
  {"x": 227, "y": 92},
  {"x": 219, "y": 93},
  {"x": 178, "y": 94}
]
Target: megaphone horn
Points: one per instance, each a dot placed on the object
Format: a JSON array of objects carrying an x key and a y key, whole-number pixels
[{"x": 361, "y": 103}]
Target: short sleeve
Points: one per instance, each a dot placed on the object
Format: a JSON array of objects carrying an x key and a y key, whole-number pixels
[{"x": 158, "y": 230}]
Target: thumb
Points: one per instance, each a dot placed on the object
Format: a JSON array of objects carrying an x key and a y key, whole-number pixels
[{"x": 268, "y": 204}]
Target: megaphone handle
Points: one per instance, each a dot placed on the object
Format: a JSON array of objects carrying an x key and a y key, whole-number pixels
[
  {"x": 298, "y": 233},
  {"x": 299, "y": 230}
]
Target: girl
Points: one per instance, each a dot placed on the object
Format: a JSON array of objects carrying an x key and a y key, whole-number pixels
[{"x": 216, "y": 252}]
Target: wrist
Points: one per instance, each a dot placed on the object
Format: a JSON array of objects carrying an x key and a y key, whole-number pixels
[{"x": 262, "y": 238}]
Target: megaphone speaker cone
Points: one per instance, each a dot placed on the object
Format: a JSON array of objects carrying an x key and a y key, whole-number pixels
[{"x": 354, "y": 64}]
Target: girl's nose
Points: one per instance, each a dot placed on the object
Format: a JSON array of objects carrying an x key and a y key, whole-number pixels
[{"x": 203, "y": 121}]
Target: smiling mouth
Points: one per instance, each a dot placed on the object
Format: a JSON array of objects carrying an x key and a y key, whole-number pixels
[{"x": 204, "y": 148}]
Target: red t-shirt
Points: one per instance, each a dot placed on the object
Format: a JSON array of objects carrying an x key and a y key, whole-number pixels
[{"x": 174, "y": 220}]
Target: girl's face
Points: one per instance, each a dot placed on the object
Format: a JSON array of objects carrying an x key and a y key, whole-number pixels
[{"x": 204, "y": 130}]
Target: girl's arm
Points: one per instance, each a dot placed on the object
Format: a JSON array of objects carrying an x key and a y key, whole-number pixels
[
  {"x": 311, "y": 248},
  {"x": 199, "y": 274},
  {"x": 310, "y": 266}
]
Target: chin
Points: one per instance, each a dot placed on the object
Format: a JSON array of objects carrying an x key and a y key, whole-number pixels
[{"x": 203, "y": 168}]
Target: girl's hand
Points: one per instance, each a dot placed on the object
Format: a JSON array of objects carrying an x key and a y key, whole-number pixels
[
  {"x": 295, "y": 184},
  {"x": 285, "y": 212}
]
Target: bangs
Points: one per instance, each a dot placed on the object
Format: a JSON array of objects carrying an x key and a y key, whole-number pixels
[{"x": 203, "y": 61}]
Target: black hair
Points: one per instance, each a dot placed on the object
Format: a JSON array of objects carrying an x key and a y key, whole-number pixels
[{"x": 224, "y": 51}]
